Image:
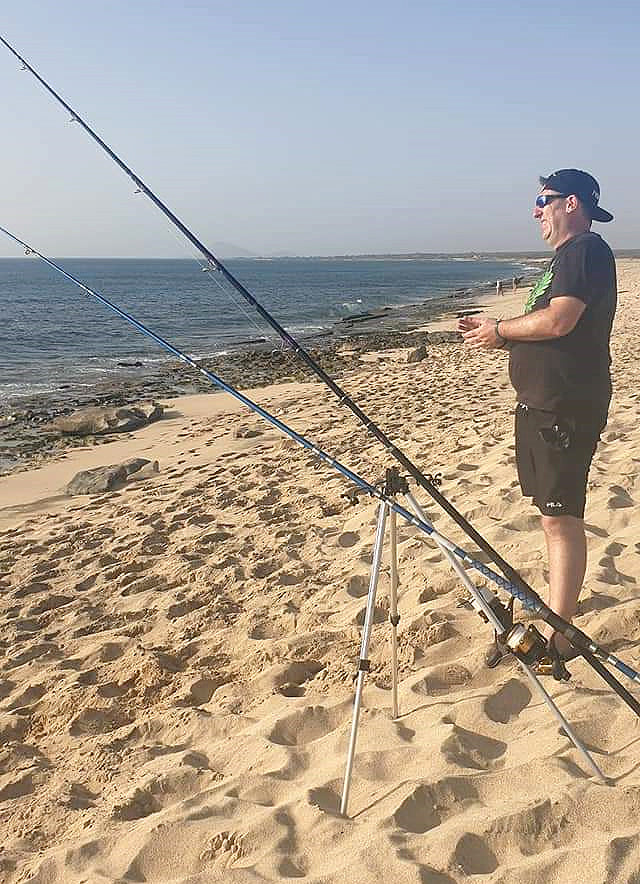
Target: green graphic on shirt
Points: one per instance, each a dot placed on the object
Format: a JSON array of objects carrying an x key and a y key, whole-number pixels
[{"x": 538, "y": 290}]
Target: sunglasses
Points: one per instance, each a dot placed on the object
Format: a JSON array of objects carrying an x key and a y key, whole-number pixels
[{"x": 545, "y": 198}]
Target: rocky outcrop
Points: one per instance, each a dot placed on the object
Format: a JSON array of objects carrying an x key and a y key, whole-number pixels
[{"x": 97, "y": 421}]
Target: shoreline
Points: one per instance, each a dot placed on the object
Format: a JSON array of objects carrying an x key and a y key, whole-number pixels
[
  {"x": 24, "y": 443},
  {"x": 38, "y": 480}
]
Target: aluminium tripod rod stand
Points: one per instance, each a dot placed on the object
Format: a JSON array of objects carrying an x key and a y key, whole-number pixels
[{"x": 481, "y": 603}]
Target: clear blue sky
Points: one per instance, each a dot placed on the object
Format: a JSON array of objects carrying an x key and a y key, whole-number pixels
[{"x": 315, "y": 128}]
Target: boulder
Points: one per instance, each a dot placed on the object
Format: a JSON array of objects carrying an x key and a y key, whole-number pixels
[
  {"x": 98, "y": 480},
  {"x": 111, "y": 477},
  {"x": 95, "y": 421}
]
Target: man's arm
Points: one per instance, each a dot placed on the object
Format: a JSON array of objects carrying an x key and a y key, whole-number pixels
[{"x": 554, "y": 321}]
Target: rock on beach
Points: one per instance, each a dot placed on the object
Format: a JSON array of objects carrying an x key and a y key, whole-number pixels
[
  {"x": 95, "y": 421},
  {"x": 110, "y": 477}
]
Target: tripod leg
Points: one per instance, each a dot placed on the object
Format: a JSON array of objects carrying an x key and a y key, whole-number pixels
[
  {"x": 393, "y": 613},
  {"x": 363, "y": 666},
  {"x": 490, "y": 614}
]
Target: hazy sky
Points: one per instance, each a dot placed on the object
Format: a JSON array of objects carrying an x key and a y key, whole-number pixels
[{"x": 315, "y": 128}]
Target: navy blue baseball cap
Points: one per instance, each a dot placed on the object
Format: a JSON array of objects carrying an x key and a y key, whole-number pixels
[{"x": 583, "y": 185}]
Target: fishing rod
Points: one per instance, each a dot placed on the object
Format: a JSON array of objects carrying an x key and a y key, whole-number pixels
[
  {"x": 215, "y": 264},
  {"x": 530, "y": 599}
]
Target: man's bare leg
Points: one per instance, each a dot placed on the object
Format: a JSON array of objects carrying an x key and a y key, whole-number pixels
[{"x": 567, "y": 553}]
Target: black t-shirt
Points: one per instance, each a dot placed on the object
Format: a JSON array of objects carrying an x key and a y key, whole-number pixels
[{"x": 570, "y": 375}]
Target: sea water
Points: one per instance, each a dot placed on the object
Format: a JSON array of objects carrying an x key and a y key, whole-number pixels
[{"x": 53, "y": 335}]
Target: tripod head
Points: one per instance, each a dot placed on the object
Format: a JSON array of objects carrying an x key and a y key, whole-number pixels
[{"x": 392, "y": 483}]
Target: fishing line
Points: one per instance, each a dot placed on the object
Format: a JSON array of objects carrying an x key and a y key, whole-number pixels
[
  {"x": 588, "y": 648},
  {"x": 214, "y": 277},
  {"x": 514, "y": 584},
  {"x": 344, "y": 399},
  {"x": 264, "y": 330}
]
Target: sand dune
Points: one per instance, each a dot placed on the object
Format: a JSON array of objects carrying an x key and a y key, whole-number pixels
[{"x": 177, "y": 656}]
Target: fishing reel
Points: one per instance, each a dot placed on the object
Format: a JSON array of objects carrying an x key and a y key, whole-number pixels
[
  {"x": 529, "y": 645},
  {"x": 525, "y": 642}
]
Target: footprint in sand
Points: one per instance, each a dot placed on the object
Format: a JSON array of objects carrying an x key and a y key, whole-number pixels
[
  {"x": 225, "y": 845},
  {"x": 183, "y": 608},
  {"x": 24, "y": 624},
  {"x": 326, "y": 798},
  {"x": 469, "y": 749},
  {"x": 112, "y": 689},
  {"x": 5, "y": 688},
  {"x": 306, "y": 725},
  {"x": 154, "y": 545},
  {"x": 31, "y": 589},
  {"x": 524, "y": 523},
  {"x": 427, "y": 595},
  {"x": 49, "y": 604},
  {"x": 27, "y": 697},
  {"x": 151, "y": 582},
  {"x": 621, "y": 498},
  {"x": 443, "y": 679},
  {"x": 380, "y": 614},
  {"x": 358, "y": 586},
  {"x": 19, "y": 785},
  {"x": 348, "y": 539},
  {"x": 429, "y": 875},
  {"x": 137, "y": 805},
  {"x": 87, "y": 583},
  {"x": 264, "y": 568},
  {"x": 265, "y": 630},
  {"x": 288, "y": 579},
  {"x": 202, "y": 690},
  {"x": 473, "y": 856},
  {"x": 98, "y": 721},
  {"x": 290, "y": 679},
  {"x": 430, "y": 805},
  {"x": 44, "y": 649},
  {"x": 615, "y": 549},
  {"x": 508, "y": 702}
]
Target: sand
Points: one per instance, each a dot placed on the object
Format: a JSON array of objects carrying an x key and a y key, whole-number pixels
[{"x": 177, "y": 657}]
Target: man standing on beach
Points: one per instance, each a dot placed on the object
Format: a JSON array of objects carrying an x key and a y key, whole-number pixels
[{"x": 559, "y": 362}]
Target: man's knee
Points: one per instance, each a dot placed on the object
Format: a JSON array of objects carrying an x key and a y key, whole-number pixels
[{"x": 560, "y": 527}]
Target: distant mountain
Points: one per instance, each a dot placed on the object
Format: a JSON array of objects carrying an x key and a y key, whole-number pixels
[{"x": 230, "y": 250}]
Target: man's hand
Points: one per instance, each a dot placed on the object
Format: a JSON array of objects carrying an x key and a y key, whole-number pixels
[
  {"x": 480, "y": 331},
  {"x": 466, "y": 323}
]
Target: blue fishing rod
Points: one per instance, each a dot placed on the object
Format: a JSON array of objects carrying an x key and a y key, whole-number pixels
[
  {"x": 587, "y": 647},
  {"x": 214, "y": 264}
]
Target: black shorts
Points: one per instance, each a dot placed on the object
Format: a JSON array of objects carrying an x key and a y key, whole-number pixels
[{"x": 553, "y": 456}]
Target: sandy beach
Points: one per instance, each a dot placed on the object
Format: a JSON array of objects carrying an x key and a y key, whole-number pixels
[{"x": 177, "y": 656}]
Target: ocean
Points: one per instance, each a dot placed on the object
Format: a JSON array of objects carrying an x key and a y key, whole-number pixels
[{"x": 54, "y": 336}]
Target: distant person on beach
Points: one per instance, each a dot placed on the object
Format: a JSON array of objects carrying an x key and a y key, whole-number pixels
[
  {"x": 498, "y": 287},
  {"x": 559, "y": 363}
]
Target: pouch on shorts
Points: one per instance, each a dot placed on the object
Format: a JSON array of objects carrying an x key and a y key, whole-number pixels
[{"x": 559, "y": 435}]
